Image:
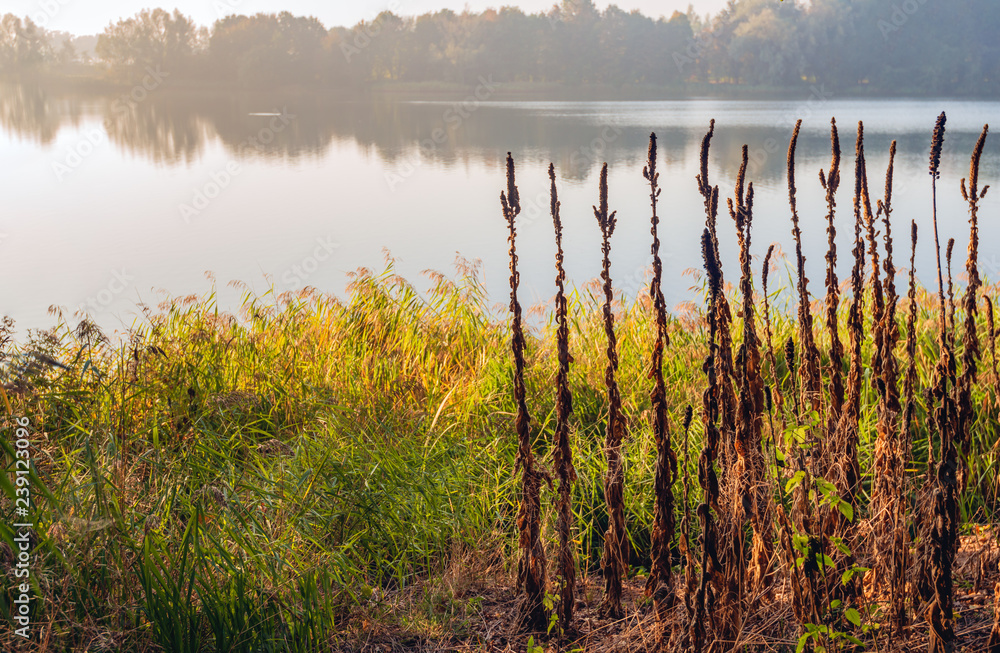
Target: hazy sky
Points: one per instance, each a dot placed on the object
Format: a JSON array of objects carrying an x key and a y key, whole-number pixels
[{"x": 92, "y": 16}]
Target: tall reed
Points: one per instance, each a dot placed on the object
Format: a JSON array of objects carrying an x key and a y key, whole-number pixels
[
  {"x": 531, "y": 572},
  {"x": 562, "y": 451},
  {"x": 616, "y": 548}
]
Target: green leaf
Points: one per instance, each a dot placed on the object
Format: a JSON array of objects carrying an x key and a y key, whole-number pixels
[
  {"x": 854, "y": 640},
  {"x": 795, "y": 481},
  {"x": 834, "y": 604},
  {"x": 853, "y": 616},
  {"x": 802, "y": 643},
  {"x": 846, "y": 510}
]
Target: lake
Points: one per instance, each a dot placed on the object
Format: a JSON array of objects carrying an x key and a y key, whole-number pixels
[{"x": 114, "y": 199}]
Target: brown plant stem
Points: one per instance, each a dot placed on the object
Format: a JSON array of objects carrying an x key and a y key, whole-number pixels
[{"x": 616, "y": 549}]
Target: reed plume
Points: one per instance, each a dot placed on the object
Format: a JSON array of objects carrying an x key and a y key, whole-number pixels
[
  {"x": 616, "y": 548},
  {"x": 562, "y": 452},
  {"x": 531, "y": 572},
  {"x": 666, "y": 461}
]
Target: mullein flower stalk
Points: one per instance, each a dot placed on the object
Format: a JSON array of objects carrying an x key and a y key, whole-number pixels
[
  {"x": 531, "y": 567},
  {"x": 616, "y": 548},
  {"x": 562, "y": 452},
  {"x": 658, "y": 584}
]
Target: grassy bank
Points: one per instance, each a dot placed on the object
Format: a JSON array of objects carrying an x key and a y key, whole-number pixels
[{"x": 278, "y": 479}]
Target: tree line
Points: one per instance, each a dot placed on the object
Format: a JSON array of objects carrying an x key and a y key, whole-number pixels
[{"x": 903, "y": 46}]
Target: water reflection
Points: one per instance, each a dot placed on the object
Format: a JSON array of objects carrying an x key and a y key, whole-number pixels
[{"x": 171, "y": 127}]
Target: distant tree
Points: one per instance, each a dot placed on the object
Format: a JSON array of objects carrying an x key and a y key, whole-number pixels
[
  {"x": 151, "y": 39},
  {"x": 22, "y": 44}
]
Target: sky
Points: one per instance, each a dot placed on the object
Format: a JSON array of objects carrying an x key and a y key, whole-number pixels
[{"x": 92, "y": 16}]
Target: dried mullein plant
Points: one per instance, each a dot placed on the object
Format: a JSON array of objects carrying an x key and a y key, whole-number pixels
[
  {"x": 531, "y": 567},
  {"x": 831, "y": 182},
  {"x": 616, "y": 547},
  {"x": 727, "y": 395},
  {"x": 712, "y": 580},
  {"x": 971, "y": 345},
  {"x": 562, "y": 452},
  {"x": 809, "y": 370},
  {"x": 887, "y": 505},
  {"x": 658, "y": 585},
  {"x": 941, "y": 511},
  {"x": 748, "y": 470}
]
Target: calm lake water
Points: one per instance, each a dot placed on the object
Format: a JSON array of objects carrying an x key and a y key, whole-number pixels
[{"x": 110, "y": 202}]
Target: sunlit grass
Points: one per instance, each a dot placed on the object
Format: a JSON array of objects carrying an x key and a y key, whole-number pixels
[{"x": 251, "y": 481}]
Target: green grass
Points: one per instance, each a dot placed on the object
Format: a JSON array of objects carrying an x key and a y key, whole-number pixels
[{"x": 255, "y": 482}]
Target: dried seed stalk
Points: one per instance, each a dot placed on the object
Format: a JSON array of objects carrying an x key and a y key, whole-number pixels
[
  {"x": 943, "y": 518},
  {"x": 971, "y": 346},
  {"x": 765, "y": 272},
  {"x": 681, "y": 638},
  {"x": 727, "y": 396},
  {"x": 888, "y": 508},
  {"x": 531, "y": 572},
  {"x": 616, "y": 553},
  {"x": 993, "y": 645},
  {"x": 809, "y": 370},
  {"x": 845, "y": 459},
  {"x": 562, "y": 452},
  {"x": 666, "y": 461},
  {"x": 748, "y": 469},
  {"x": 712, "y": 581},
  {"x": 831, "y": 182}
]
